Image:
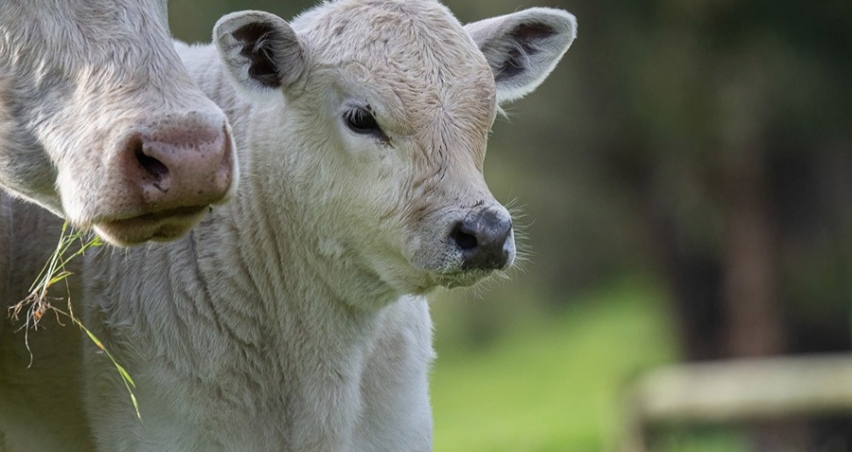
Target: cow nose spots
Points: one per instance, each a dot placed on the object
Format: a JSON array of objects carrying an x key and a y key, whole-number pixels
[{"x": 482, "y": 239}]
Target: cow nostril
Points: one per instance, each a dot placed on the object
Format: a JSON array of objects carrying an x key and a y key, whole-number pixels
[
  {"x": 464, "y": 240},
  {"x": 153, "y": 167}
]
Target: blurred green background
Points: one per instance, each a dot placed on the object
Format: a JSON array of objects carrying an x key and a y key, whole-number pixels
[{"x": 684, "y": 184}]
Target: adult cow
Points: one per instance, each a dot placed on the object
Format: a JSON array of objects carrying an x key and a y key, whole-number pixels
[{"x": 100, "y": 123}]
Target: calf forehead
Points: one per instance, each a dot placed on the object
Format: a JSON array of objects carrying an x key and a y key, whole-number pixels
[{"x": 414, "y": 55}]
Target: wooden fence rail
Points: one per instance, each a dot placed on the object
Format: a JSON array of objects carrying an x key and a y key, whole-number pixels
[{"x": 737, "y": 391}]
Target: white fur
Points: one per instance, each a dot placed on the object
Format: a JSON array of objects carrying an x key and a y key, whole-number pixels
[
  {"x": 293, "y": 318},
  {"x": 78, "y": 78},
  {"x": 540, "y": 55}
]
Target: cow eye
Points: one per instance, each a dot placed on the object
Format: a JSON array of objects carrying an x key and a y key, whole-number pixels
[{"x": 361, "y": 121}]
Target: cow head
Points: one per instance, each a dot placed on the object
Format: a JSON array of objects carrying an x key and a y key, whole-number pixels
[
  {"x": 380, "y": 112},
  {"x": 100, "y": 122}
]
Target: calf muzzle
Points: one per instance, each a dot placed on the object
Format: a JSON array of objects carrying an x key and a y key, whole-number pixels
[{"x": 484, "y": 240}]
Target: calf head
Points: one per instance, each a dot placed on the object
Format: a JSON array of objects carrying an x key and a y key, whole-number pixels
[
  {"x": 100, "y": 122},
  {"x": 388, "y": 105}
]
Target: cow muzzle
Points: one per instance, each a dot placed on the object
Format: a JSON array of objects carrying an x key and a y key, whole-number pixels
[
  {"x": 188, "y": 164},
  {"x": 167, "y": 175}
]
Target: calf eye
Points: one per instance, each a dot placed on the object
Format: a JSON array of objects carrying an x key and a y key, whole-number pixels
[{"x": 360, "y": 120}]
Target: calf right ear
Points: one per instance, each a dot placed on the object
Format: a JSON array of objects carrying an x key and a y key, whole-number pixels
[
  {"x": 261, "y": 52},
  {"x": 523, "y": 47}
]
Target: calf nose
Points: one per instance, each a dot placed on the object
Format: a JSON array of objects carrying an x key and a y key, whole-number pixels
[
  {"x": 483, "y": 240},
  {"x": 184, "y": 163}
]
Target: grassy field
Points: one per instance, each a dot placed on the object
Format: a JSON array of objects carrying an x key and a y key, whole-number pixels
[{"x": 552, "y": 380}]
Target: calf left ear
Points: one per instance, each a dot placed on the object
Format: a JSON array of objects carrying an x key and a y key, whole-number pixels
[
  {"x": 522, "y": 48},
  {"x": 261, "y": 52}
]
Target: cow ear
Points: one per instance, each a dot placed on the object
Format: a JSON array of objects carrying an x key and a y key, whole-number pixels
[
  {"x": 260, "y": 51},
  {"x": 522, "y": 48}
]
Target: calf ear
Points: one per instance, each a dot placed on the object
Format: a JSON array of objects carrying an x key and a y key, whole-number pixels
[
  {"x": 261, "y": 52},
  {"x": 522, "y": 48}
]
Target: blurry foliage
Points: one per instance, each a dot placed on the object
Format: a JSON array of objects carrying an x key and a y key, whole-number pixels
[{"x": 549, "y": 382}]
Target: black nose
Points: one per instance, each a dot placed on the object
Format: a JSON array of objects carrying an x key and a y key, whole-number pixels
[{"x": 482, "y": 239}]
